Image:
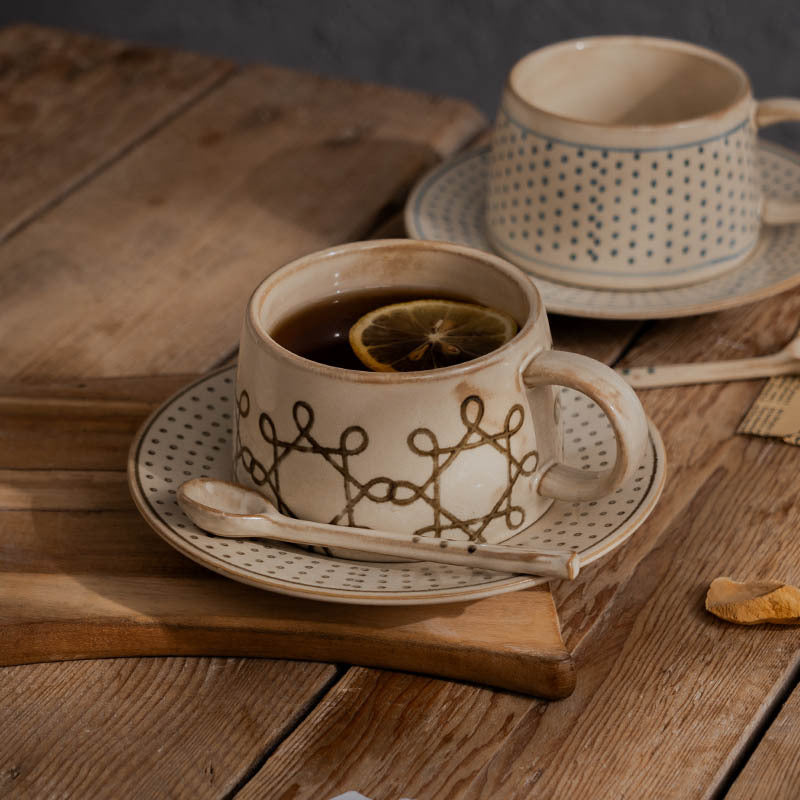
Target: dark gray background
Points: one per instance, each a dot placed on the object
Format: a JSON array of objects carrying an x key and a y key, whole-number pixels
[{"x": 461, "y": 48}]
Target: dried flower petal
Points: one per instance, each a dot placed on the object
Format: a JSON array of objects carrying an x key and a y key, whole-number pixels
[{"x": 754, "y": 602}]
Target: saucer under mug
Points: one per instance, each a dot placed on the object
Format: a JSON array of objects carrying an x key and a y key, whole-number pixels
[{"x": 191, "y": 436}]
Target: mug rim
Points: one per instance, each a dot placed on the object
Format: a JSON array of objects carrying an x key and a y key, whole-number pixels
[
  {"x": 658, "y": 42},
  {"x": 535, "y": 311}
]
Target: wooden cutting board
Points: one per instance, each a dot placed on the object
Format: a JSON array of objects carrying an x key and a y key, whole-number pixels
[
  {"x": 83, "y": 576},
  {"x": 511, "y": 641}
]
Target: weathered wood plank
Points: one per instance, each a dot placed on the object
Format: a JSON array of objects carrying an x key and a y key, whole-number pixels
[
  {"x": 177, "y": 728},
  {"x": 55, "y": 615},
  {"x": 58, "y": 433},
  {"x": 696, "y": 422},
  {"x": 70, "y": 104},
  {"x": 83, "y": 425},
  {"x": 166, "y": 245},
  {"x": 58, "y": 490},
  {"x": 635, "y": 621},
  {"x": 602, "y": 339},
  {"x": 147, "y": 390},
  {"x": 87, "y": 543},
  {"x": 774, "y": 768},
  {"x": 441, "y": 732}
]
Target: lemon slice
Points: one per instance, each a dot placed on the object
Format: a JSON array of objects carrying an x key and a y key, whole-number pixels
[{"x": 427, "y": 334}]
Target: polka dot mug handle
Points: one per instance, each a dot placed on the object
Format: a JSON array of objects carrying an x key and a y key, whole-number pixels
[
  {"x": 770, "y": 112},
  {"x": 618, "y": 401}
]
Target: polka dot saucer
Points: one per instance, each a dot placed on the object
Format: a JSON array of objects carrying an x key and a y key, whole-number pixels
[
  {"x": 190, "y": 436},
  {"x": 449, "y": 204}
]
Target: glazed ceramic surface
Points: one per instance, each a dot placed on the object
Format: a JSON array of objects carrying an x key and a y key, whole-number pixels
[
  {"x": 628, "y": 163},
  {"x": 448, "y": 204},
  {"x": 191, "y": 435},
  {"x": 785, "y": 361},
  {"x": 469, "y": 452}
]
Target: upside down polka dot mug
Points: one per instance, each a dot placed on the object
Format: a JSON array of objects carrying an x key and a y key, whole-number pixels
[
  {"x": 627, "y": 162},
  {"x": 471, "y": 451}
]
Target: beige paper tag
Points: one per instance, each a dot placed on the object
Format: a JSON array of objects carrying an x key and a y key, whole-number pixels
[{"x": 776, "y": 411}]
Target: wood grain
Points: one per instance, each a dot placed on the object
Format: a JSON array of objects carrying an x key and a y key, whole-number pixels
[
  {"x": 149, "y": 390},
  {"x": 668, "y": 696},
  {"x": 70, "y": 104},
  {"x": 166, "y": 244},
  {"x": 440, "y": 732},
  {"x": 107, "y": 544},
  {"x": 774, "y": 769},
  {"x": 81, "y": 425},
  {"x": 155, "y": 728},
  {"x": 51, "y": 612},
  {"x": 686, "y": 417},
  {"x": 57, "y": 490},
  {"x": 602, "y": 339},
  {"x": 709, "y": 681},
  {"x": 58, "y": 433}
]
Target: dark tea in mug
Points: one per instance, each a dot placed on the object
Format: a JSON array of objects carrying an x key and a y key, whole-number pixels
[{"x": 320, "y": 331}]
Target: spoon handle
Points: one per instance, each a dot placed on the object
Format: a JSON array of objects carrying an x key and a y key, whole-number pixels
[
  {"x": 711, "y": 372},
  {"x": 502, "y": 558}
]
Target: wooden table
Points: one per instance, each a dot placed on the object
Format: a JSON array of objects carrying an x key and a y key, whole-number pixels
[{"x": 133, "y": 181}]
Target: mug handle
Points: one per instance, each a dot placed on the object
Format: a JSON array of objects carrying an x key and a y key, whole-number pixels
[
  {"x": 622, "y": 407},
  {"x": 770, "y": 112}
]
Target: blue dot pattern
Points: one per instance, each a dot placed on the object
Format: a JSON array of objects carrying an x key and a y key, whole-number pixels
[
  {"x": 449, "y": 204},
  {"x": 617, "y": 212}
]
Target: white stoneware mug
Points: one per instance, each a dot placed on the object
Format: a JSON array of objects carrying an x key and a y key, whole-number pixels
[
  {"x": 467, "y": 452},
  {"x": 628, "y": 162}
]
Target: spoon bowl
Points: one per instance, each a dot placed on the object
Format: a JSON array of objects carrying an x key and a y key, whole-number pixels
[{"x": 221, "y": 499}]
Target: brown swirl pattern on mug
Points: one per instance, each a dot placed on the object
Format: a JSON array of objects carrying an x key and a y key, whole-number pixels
[{"x": 354, "y": 440}]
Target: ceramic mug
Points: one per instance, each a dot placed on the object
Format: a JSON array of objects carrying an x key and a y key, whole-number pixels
[
  {"x": 628, "y": 162},
  {"x": 467, "y": 452}
]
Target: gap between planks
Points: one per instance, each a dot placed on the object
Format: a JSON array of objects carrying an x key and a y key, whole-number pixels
[
  {"x": 263, "y": 757},
  {"x": 727, "y": 783},
  {"x": 78, "y": 67},
  {"x": 98, "y": 169}
]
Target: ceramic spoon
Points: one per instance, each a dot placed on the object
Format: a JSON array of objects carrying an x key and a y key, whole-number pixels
[
  {"x": 784, "y": 362},
  {"x": 227, "y": 509}
]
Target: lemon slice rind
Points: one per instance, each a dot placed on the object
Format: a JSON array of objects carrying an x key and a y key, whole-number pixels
[{"x": 428, "y": 334}]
